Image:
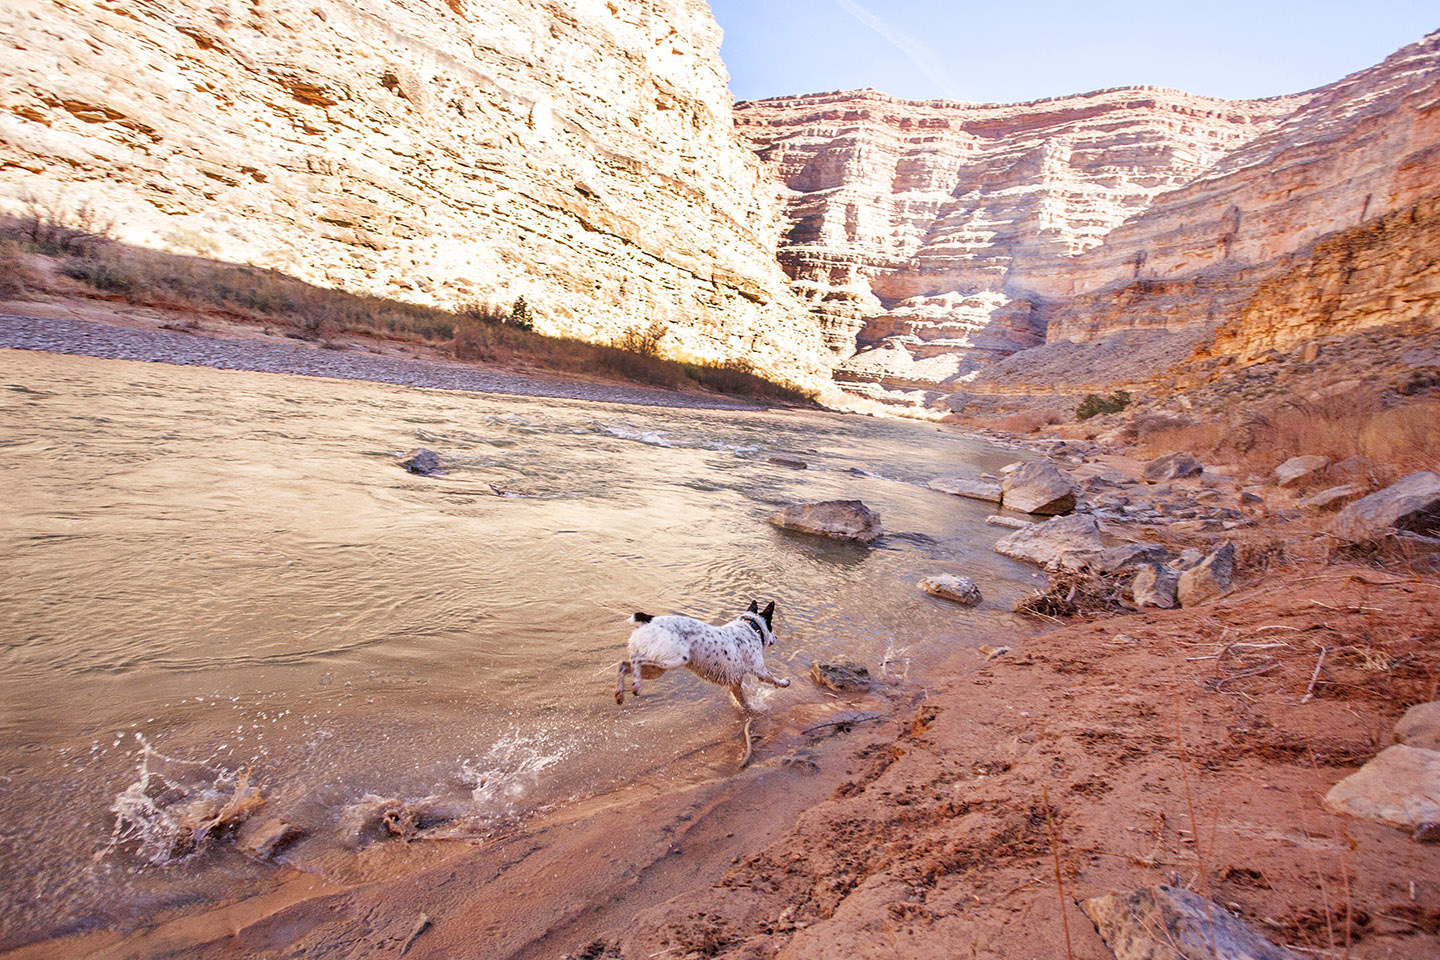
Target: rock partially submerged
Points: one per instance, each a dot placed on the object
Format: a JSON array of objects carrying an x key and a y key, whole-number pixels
[
  {"x": 1175, "y": 466},
  {"x": 1299, "y": 470},
  {"x": 971, "y": 487},
  {"x": 1168, "y": 923},
  {"x": 1420, "y": 727},
  {"x": 841, "y": 676},
  {"x": 1208, "y": 579},
  {"x": 1399, "y": 787},
  {"x": 840, "y": 519},
  {"x": 421, "y": 461},
  {"x": 1064, "y": 541},
  {"x": 1411, "y": 504},
  {"x": 1040, "y": 487},
  {"x": 1011, "y": 523},
  {"x": 951, "y": 587}
]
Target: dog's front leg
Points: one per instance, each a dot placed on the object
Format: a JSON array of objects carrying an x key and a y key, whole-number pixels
[
  {"x": 620, "y": 684},
  {"x": 764, "y": 674},
  {"x": 635, "y": 677}
]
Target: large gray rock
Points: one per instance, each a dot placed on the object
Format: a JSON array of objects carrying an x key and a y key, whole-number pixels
[
  {"x": 1207, "y": 579},
  {"x": 1168, "y": 923},
  {"x": 950, "y": 587},
  {"x": 968, "y": 487},
  {"x": 1412, "y": 504},
  {"x": 1299, "y": 470},
  {"x": 1155, "y": 586},
  {"x": 1040, "y": 487},
  {"x": 1175, "y": 466},
  {"x": 841, "y": 519},
  {"x": 1420, "y": 727},
  {"x": 1064, "y": 541},
  {"x": 1115, "y": 559},
  {"x": 421, "y": 461},
  {"x": 1400, "y": 787},
  {"x": 1334, "y": 497}
]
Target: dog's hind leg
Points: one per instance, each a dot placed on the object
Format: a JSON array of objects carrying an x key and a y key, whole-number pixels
[
  {"x": 635, "y": 673},
  {"x": 620, "y": 685},
  {"x": 737, "y": 694}
]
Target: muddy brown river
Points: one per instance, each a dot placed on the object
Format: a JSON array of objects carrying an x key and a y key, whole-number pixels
[{"x": 215, "y": 578}]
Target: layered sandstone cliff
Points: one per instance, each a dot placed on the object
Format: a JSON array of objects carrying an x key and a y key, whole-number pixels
[
  {"x": 1353, "y": 152},
  {"x": 578, "y": 152},
  {"x": 915, "y": 226},
  {"x": 932, "y": 239}
]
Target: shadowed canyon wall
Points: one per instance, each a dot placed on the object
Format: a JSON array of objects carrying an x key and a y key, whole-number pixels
[{"x": 578, "y": 152}]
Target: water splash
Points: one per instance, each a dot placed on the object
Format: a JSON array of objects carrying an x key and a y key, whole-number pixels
[{"x": 174, "y": 806}]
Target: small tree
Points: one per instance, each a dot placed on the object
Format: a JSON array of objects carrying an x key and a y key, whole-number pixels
[
  {"x": 520, "y": 316},
  {"x": 644, "y": 342}
]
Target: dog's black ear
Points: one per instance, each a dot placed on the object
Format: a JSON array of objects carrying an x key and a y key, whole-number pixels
[
  {"x": 641, "y": 618},
  {"x": 754, "y": 607},
  {"x": 768, "y": 612}
]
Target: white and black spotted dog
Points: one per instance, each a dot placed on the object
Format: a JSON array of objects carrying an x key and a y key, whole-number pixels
[{"x": 725, "y": 654}]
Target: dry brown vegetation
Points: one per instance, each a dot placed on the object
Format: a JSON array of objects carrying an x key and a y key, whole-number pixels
[
  {"x": 47, "y": 242},
  {"x": 1397, "y": 437}
]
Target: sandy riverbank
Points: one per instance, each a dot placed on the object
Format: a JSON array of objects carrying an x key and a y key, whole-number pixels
[{"x": 98, "y": 331}]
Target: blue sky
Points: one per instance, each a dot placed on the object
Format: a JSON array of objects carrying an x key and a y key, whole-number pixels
[{"x": 1012, "y": 51}]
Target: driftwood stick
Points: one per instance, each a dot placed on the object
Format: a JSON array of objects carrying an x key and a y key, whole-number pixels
[
  {"x": 1319, "y": 662},
  {"x": 749, "y": 744},
  {"x": 862, "y": 718}
]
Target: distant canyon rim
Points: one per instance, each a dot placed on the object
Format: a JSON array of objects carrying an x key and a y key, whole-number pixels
[{"x": 925, "y": 255}]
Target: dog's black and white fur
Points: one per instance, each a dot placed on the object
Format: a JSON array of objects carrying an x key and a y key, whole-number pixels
[{"x": 724, "y": 654}]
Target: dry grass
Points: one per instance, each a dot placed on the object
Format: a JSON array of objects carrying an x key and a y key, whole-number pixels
[
  {"x": 1397, "y": 438},
  {"x": 79, "y": 248},
  {"x": 1029, "y": 421}
]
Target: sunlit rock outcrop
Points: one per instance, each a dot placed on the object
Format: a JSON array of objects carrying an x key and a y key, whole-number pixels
[{"x": 578, "y": 152}]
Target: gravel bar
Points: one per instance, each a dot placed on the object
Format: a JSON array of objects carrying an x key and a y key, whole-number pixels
[{"x": 302, "y": 359}]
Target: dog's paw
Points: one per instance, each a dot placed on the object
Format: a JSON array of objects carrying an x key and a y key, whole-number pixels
[
  {"x": 620, "y": 696},
  {"x": 782, "y": 683}
]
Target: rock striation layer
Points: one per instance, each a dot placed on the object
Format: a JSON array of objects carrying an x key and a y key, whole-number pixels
[
  {"x": 578, "y": 152},
  {"x": 914, "y": 227},
  {"x": 934, "y": 239}
]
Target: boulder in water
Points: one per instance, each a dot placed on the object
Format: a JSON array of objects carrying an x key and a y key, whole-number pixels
[
  {"x": 950, "y": 587},
  {"x": 1064, "y": 541},
  {"x": 840, "y": 519},
  {"x": 840, "y": 676},
  {"x": 421, "y": 461},
  {"x": 1040, "y": 487},
  {"x": 968, "y": 487}
]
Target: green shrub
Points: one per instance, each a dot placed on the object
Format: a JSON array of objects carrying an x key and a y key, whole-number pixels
[
  {"x": 1093, "y": 405},
  {"x": 520, "y": 316}
]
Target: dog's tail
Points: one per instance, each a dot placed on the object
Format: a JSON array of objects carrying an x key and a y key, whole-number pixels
[{"x": 641, "y": 618}]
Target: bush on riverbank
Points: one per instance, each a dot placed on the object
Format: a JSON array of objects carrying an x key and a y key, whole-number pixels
[{"x": 78, "y": 246}]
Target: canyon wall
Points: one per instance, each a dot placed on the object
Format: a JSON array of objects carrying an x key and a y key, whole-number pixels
[
  {"x": 1354, "y": 151},
  {"x": 933, "y": 239},
  {"x": 915, "y": 227},
  {"x": 578, "y": 152}
]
